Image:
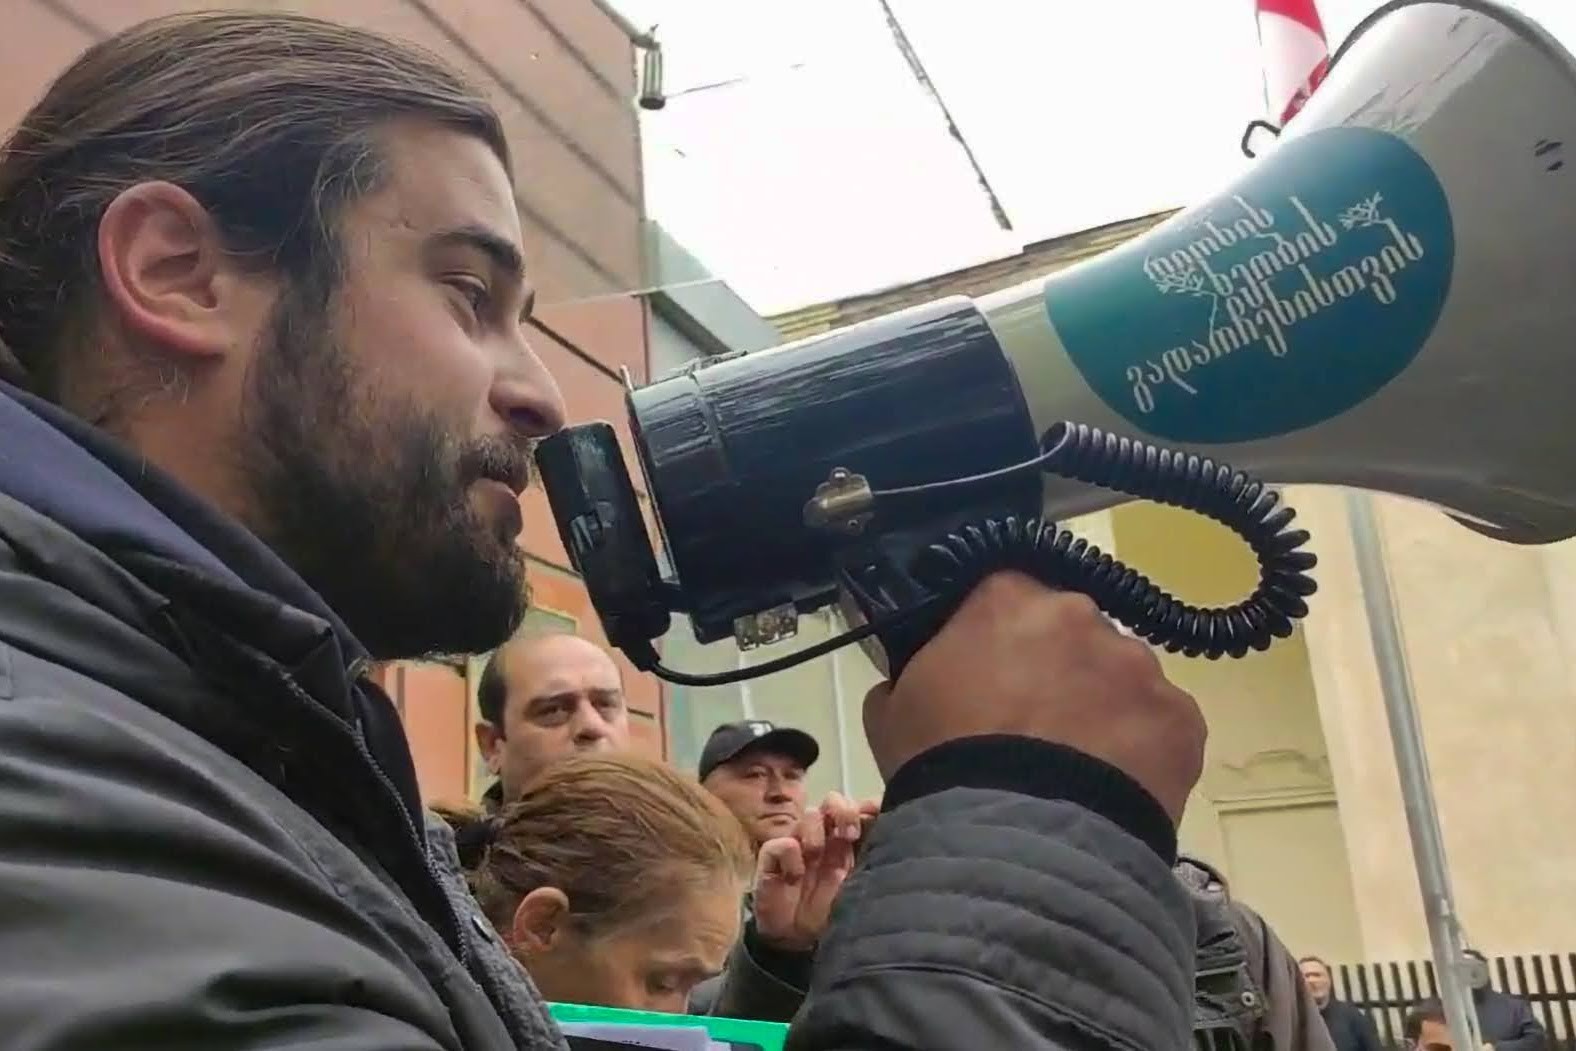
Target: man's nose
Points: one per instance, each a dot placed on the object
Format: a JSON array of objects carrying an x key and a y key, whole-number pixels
[
  {"x": 527, "y": 397},
  {"x": 589, "y": 727}
]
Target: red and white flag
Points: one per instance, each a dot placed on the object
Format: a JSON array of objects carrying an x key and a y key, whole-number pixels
[{"x": 1295, "y": 55}]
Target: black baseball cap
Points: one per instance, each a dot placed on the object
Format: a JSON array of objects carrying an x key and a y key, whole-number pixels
[{"x": 730, "y": 739}]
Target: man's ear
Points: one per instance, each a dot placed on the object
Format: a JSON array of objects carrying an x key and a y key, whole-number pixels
[
  {"x": 539, "y": 921},
  {"x": 166, "y": 273},
  {"x": 489, "y": 739}
]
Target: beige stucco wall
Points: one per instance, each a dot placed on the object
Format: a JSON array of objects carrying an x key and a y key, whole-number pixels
[
  {"x": 1490, "y": 636},
  {"x": 1265, "y": 809}
]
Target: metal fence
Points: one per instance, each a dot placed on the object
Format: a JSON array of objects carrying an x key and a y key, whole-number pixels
[{"x": 1386, "y": 990}]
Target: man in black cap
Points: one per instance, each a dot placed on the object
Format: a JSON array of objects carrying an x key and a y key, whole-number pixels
[{"x": 757, "y": 768}]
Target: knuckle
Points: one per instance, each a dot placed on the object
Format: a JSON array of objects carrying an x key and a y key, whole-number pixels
[
  {"x": 1197, "y": 725},
  {"x": 1187, "y": 728},
  {"x": 1136, "y": 658},
  {"x": 1002, "y": 588},
  {"x": 1077, "y": 609}
]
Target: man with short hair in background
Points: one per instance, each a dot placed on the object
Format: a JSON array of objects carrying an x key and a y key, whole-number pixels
[
  {"x": 1425, "y": 1028},
  {"x": 1350, "y": 1028},
  {"x": 542, "y": 698}
]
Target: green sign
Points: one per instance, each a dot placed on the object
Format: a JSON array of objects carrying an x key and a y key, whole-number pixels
[{"x": 727, "y": 1034}]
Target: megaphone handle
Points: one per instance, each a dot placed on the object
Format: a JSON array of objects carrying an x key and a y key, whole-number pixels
[
  {"x": 881, "y": 592},
  {"x": 913, "y": 602}
]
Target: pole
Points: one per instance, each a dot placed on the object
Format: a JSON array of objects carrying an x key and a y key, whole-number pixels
[
  {"x": 636, "y": 36},
  {"x": 1417, "y": 793}
]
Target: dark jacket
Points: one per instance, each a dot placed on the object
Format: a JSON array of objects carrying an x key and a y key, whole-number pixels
[
  {"x": 1350, "y": 1027},
  {"x": 760, "y": 983},
  {"x": 1507, "y": 1022},
  {"x": 212, "y": 836},
  {"x": 1014, "y": 913},
  {"x": 1248, "y": 989}
]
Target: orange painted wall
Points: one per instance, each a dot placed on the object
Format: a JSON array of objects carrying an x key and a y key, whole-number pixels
[
  {"x": 432, "y": 701},
  {"x": 562, "y": 76}
]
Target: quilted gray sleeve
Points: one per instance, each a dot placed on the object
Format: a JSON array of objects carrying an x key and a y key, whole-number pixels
[{"x": 991, "y": 919}]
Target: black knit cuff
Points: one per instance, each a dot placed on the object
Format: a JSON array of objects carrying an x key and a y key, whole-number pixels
[
  {"x": 788, "y": 967},
  {"x": 1032, "y": 767}
]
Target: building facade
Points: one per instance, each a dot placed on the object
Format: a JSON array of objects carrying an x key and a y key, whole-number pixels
[
  {"x": 1299, "y": 802},
  {"x": 562, "y": 75}
]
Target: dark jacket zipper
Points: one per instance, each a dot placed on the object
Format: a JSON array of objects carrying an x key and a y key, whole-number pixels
[{"x": 451, "y": 931}]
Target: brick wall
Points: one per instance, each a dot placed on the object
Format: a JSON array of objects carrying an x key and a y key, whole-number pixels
[{"x": 562, "y": 74}]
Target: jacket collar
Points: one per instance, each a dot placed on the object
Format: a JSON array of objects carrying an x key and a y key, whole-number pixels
[{"x": 105, "y": 494}]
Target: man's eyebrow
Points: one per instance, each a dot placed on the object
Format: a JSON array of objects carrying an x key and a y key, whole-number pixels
[
  {"x": 542, "y": 700},
  {"x": 500, "y": 250}
]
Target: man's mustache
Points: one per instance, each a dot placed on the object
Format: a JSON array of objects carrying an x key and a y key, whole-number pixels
[{"x": 499, "y": 460}]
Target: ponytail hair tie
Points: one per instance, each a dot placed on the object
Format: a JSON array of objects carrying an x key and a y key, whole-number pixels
[{"x": 473, "y": 839}]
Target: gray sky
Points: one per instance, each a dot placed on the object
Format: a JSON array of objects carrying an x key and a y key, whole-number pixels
[{"x": 824, "y": 170}]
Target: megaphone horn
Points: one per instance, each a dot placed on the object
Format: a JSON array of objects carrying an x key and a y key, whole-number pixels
[{"x": 1383, "y": 300}]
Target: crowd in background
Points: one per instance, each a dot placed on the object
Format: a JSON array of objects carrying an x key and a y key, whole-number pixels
[
  {"x": 617, "y": 880},
  {"x": 1506, "y": 1022}
]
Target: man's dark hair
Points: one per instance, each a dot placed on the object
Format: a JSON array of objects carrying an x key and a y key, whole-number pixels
[
  {"x": 492, "y": 691},
  {"x": 1428, "y": 1011},
  {"x": 270, "y": 120},
  {"x": 1321, "y": 961}
]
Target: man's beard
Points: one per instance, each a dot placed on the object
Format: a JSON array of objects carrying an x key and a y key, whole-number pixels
[{"x": 366, "y": 497}]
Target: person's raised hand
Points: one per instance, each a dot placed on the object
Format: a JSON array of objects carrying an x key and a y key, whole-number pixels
[
  {"x": 1019, "y": 658},
  {"x": 798, "y": 877}
]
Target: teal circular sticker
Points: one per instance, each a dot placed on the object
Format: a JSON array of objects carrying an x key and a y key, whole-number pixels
[{"x": 1289, "y": 299}]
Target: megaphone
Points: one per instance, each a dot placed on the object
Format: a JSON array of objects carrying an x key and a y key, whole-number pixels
[{"x": 1383, "y": 301}]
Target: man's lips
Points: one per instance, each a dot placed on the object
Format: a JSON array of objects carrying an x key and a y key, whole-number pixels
[
  {"x": 515, "y": 480},
  {"x": 508, "y": 465},
  {"x": 496, "y": 486},
  {"x": 506, "y": 501}
]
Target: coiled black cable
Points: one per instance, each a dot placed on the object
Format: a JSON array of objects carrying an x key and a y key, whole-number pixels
[{"x": 1059, "y": 559}]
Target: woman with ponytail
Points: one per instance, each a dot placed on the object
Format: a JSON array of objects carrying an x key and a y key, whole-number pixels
[{"x": 613, "y": 880}]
